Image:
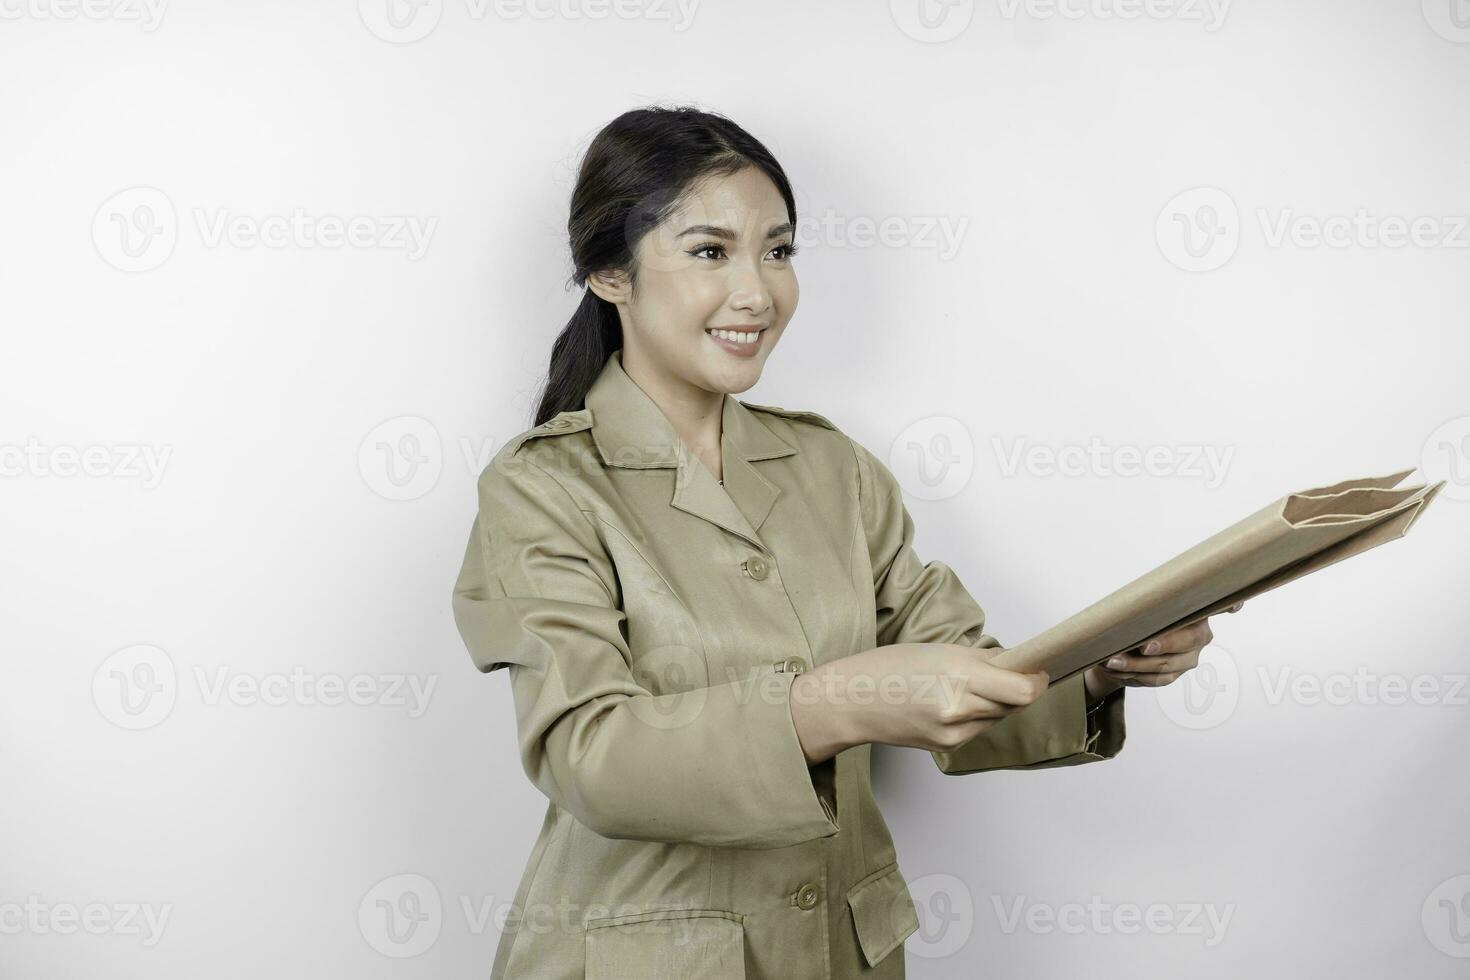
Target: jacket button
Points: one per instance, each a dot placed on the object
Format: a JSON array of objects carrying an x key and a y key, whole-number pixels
[
  {"x": 755, "y": 566},
  {"x": 794, "y": 665},
  {"x": 806, "y": 897}
]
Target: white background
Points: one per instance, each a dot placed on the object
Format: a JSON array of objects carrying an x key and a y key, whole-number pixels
[{"x": 1073, "y": 147}]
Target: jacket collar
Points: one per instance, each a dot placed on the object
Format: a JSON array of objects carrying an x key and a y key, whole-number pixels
[{"x": 632, "y": 432}]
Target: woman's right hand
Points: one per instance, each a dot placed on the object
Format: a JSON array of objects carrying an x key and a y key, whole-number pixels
[{"x": 934, "y": 696}]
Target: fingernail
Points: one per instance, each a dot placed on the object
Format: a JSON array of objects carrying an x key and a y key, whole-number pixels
[
  {"x": 1153, "y": 647},
  {"x": 1116, "y": 662}
]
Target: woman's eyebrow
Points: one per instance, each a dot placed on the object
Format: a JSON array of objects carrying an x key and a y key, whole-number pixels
[{"x": 715, "y": 231}]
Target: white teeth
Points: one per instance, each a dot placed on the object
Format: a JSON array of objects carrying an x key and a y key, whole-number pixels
[{"x": 735, "y": 336}]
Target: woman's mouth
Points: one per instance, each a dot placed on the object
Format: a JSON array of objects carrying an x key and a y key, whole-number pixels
[{"x": 742, "y": 343}]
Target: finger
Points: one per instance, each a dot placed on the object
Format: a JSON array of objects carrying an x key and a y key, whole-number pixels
[
  {"x": 1008, "y": 686},
  {"x": 1148, "y": 680},
  {"x": 974, "y": 706},
  {"x": 1132, "y": 663},
  {"x": 1192, "y": 637},
  {"x": 1157, "y": 680}
]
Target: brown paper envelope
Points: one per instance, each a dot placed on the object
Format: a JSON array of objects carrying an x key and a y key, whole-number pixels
[{"x": 1290, "y": 537}]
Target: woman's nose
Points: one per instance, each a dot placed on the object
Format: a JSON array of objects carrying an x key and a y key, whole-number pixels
[{"x": 749, "y": 291}]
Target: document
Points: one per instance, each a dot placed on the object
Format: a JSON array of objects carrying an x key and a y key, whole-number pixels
[{"x": 1288, "y": 538}]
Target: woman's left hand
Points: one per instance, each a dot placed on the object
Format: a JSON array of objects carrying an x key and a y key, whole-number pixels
[{"x": 1160, "y": 660}]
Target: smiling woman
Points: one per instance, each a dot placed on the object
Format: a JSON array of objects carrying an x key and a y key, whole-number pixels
[{"x": 690, "y": 592}]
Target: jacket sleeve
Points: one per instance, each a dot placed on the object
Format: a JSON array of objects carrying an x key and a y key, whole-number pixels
[
  {"x": 920, "y": 602},
  {"x": 716, "y": 766}
]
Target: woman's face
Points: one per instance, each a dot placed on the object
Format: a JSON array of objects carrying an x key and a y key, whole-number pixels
[{"x": 721, "y": 261}]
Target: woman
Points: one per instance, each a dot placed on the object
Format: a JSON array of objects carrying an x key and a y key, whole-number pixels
[{"x": 712, "y": 608}]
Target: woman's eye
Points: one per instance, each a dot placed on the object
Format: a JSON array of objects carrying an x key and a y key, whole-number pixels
[{"x": 783, "y": 251}]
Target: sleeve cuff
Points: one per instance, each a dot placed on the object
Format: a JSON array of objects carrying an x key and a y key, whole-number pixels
[
  {"x": 1055, "y": 730},
  {"x": 1105, "y": 727},
  {"x": 803, "y": 795}
]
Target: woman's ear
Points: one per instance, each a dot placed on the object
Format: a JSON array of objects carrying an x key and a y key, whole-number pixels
[{"x": 610, "y": 284}]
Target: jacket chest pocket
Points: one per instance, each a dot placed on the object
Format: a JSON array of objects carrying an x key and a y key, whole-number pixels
[{"x": 672, "y": 944}]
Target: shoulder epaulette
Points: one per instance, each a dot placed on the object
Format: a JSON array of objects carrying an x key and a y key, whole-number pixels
[
  {"x": 560, "y": 424},
  {"x": 792, "y": 413}
]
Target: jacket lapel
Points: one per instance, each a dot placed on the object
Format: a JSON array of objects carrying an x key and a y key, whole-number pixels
[{"x": 631, "y": 431}]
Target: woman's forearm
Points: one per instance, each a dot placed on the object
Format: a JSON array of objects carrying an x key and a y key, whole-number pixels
[
  {"x": 1098, "y": 686},
  {"x": 823, "y": 727}
]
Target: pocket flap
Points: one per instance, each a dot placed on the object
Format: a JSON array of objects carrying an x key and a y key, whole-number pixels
[
  {"x": 883, "y": 912},
  {"x": 668, "y": 944}
]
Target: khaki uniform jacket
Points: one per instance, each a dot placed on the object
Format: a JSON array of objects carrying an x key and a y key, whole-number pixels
[{"x": 653, "y": 621}]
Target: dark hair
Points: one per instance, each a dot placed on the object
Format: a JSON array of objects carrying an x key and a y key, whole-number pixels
[{"x": 629, "y": 180}]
